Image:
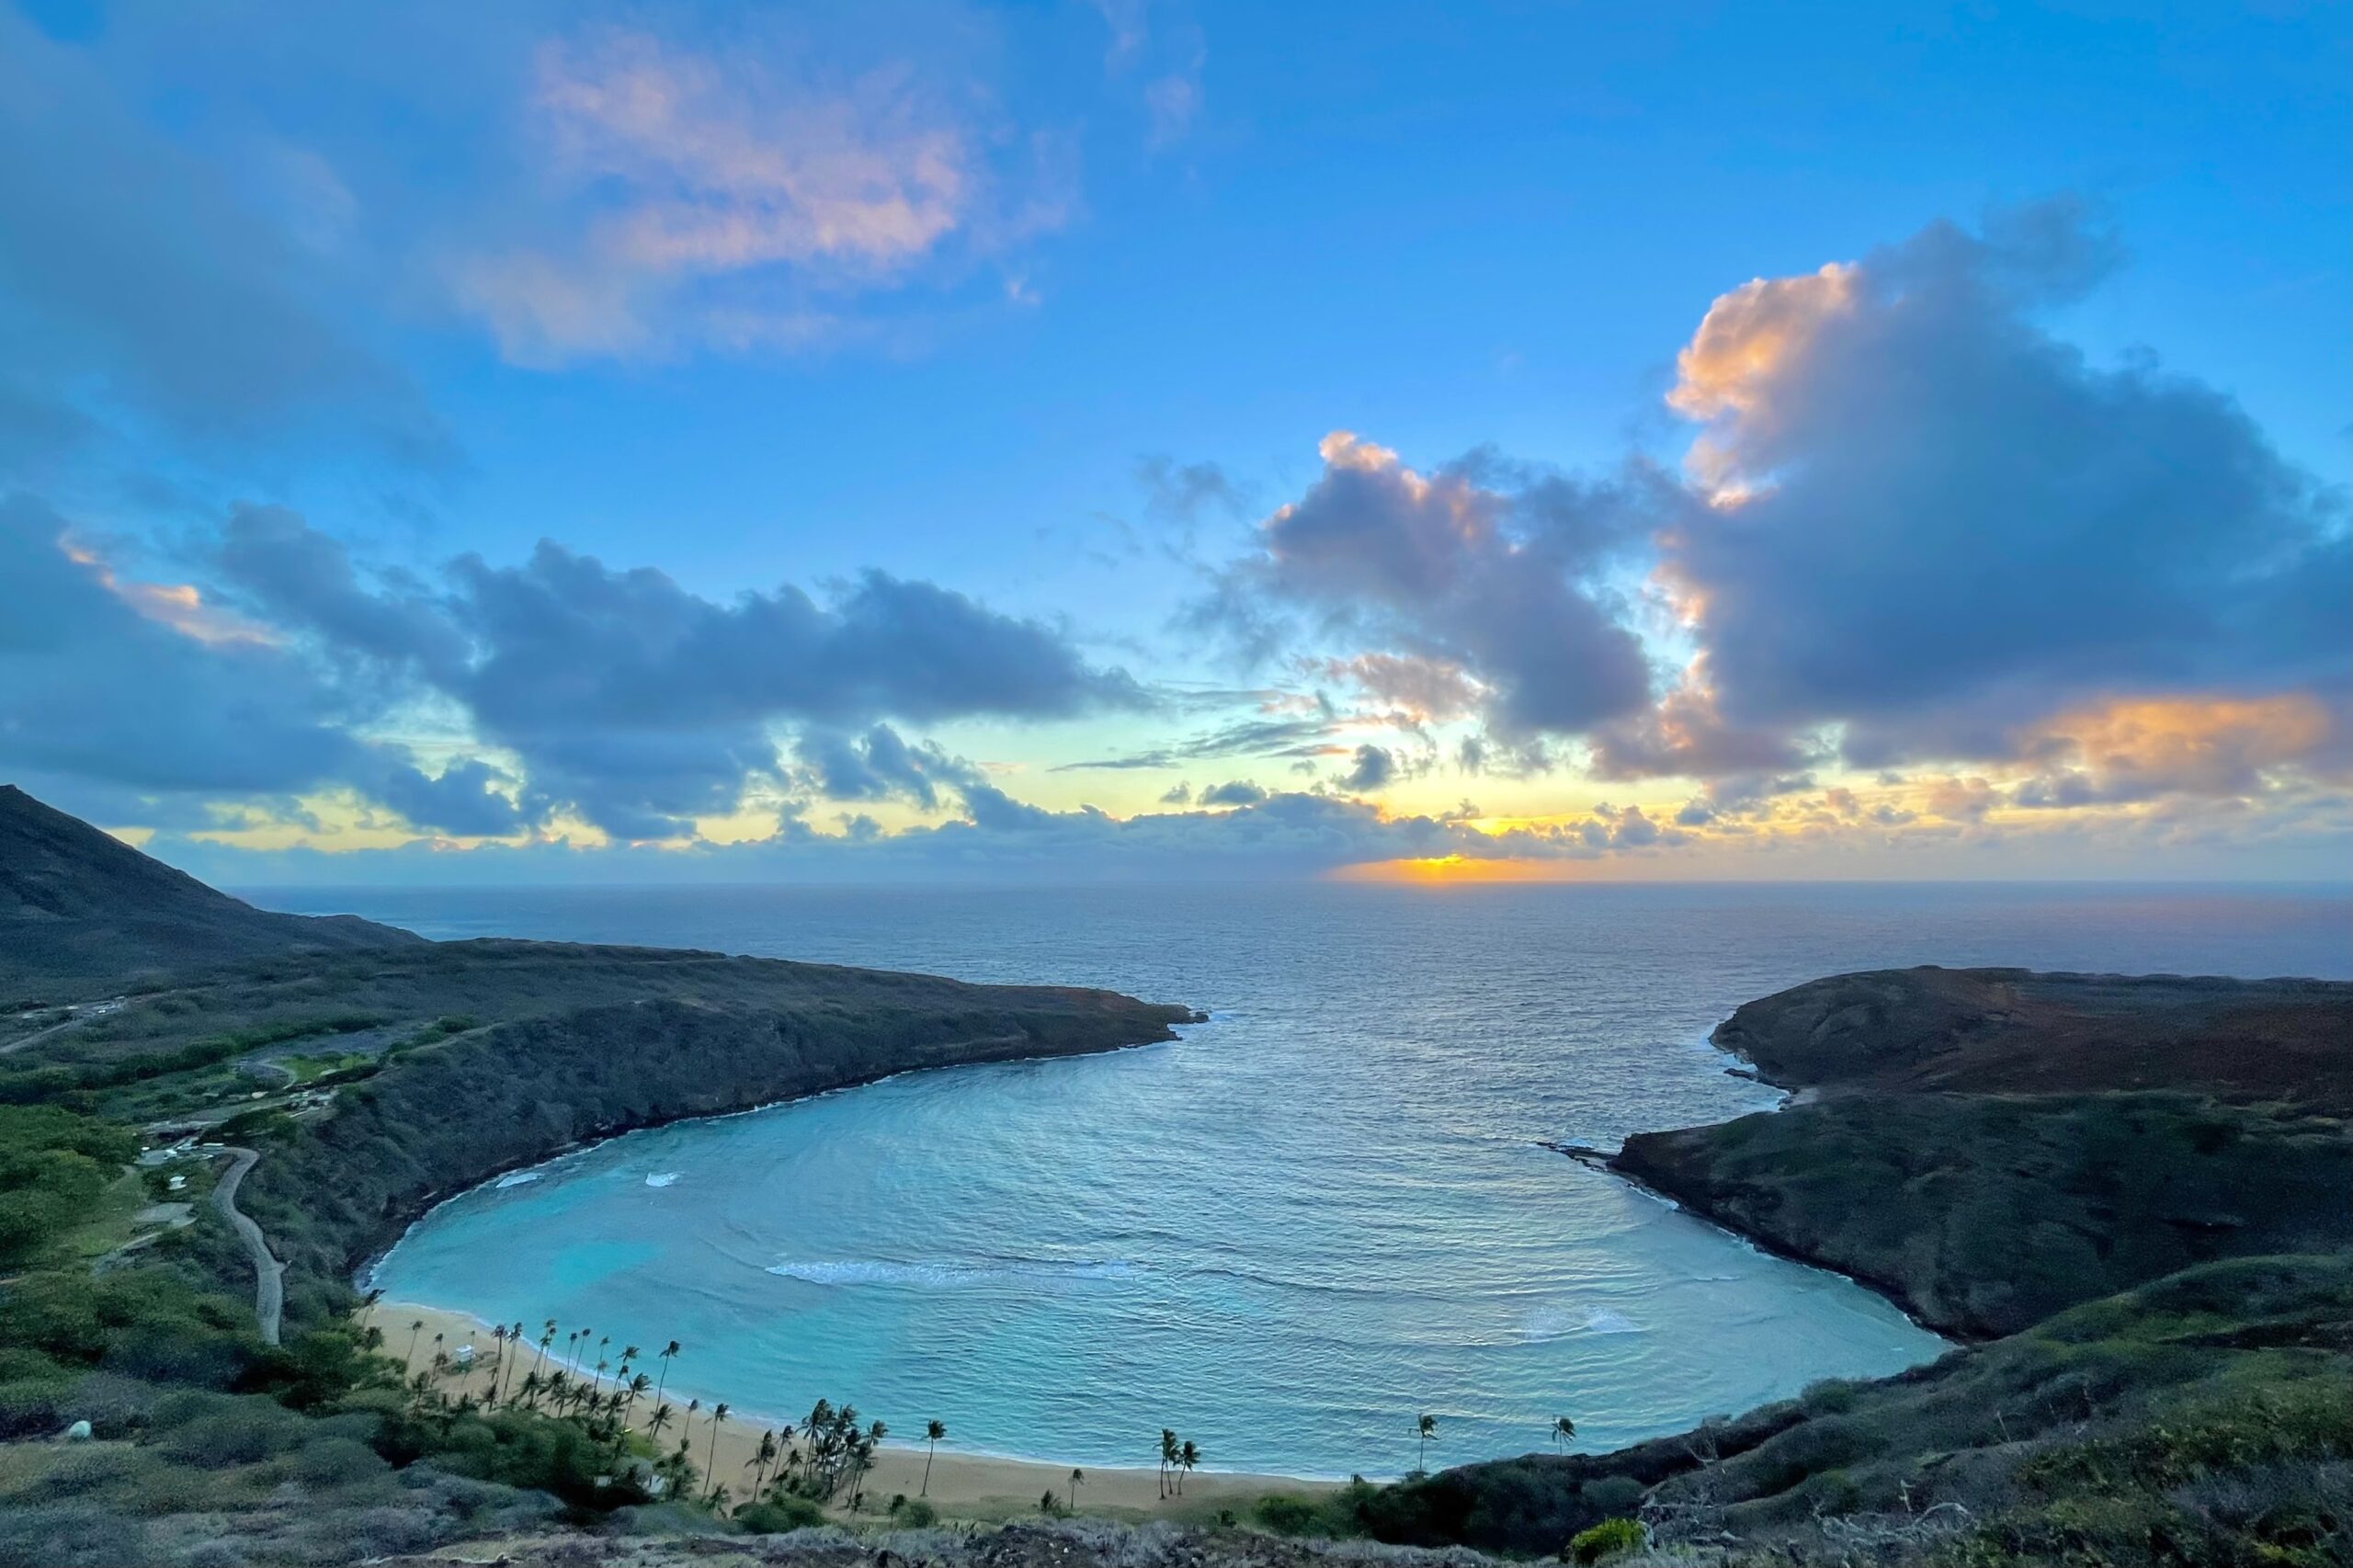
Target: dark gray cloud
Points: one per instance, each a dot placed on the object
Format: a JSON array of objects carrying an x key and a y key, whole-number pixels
[
  {"x": 1234, "y": 792},
  {"x": 621, "y": 696},
  {"x": 1491, "y": 569},
  {"x": 1374, "y": 768},
  {"x": 463, "y": 799},
  {"x": 881, "y": 766},
  {"x": 1956, "y": 526},
  {"x": 644, "y": 705}
]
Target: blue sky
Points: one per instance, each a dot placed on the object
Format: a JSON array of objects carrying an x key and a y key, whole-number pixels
[{"x": 1362, "y": 415}]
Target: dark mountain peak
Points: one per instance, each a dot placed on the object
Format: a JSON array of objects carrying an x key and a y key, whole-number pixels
[{"x": 81, "y": 909}]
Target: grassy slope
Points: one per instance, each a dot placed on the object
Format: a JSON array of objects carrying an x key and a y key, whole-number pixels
[{"x": 2195, "y": 1419}]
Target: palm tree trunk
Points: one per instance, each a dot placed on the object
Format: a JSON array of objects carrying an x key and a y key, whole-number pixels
[{"x": 926, "y": 1490}]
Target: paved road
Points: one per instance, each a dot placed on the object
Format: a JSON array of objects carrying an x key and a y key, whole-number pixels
[{"x": 269, "y": 1285}]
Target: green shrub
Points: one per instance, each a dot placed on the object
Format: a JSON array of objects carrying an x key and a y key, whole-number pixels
[
  {"x": 918, "y": 1514},
  {"x": 778, "y": 1516},
  {"x": 1287, "y": 1513},
  {"x": 213, "y": 1431},
  {"x": 336, "y": 1461},
  {"x": 1605, "y": 1540}
]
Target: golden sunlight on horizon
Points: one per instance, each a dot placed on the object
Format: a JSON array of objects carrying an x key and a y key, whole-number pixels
[{"x": 1454, "y": 871}]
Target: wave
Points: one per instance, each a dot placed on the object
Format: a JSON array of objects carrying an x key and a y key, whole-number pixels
[
  {"x": 661, "y": 1178},
  {"x": 875, "y": 1271},
  {"x": 1548, "y": 1324},
  {"x": 518, "y": 1178}
]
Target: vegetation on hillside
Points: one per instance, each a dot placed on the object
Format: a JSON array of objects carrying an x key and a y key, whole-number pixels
[{"x": 1984, "y": 1214}]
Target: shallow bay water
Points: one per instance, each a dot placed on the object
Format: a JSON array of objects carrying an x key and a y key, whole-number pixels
[{"x": 1315, "y": 1218}]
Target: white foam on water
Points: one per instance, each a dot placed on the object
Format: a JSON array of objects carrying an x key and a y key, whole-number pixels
[
  {"x": 519, "y": 1178},
  {"x": 875, "y": 1271},
  {"x": 661, "y": 1178}
]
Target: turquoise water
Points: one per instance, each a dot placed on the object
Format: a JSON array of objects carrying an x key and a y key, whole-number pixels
[{"x": 1315, "y": 1217}]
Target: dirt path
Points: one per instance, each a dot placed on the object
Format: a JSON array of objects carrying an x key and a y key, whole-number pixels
[{"x": 269, "y": 1285}]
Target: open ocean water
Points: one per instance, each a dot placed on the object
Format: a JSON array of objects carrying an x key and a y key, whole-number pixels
[{"x": 1318, "y": 1216}]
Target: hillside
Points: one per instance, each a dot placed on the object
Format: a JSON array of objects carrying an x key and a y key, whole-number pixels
[
  {"x": 81, "y": 913},
  {"x": 1991, "y": 1146},
  {"x": 2014, "y": 1031}
]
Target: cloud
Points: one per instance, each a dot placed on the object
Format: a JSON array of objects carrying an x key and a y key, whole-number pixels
[
  {"x": 1935, "y": 523},
  {"x": 881, "y": 766},
  {"x": 1275, "y": 738},
  {"x": 465, "y": 800},
  {"x": 2148, "y": 748},
  {"x": 622, "y": 696},
  {"x": 1421, "y": 689},
  {"x": 1175, "y": 56},
  {"x": 90, "y": 686},
  {"x": 1237, "y": 792},
  {"x": 137, "y": 291},
  {"x": 1685, "y": 735},
  {"x": 727, "y": 197},
  {"x": 1486, "y": 569},
  {"x": 1375, "y": 768}
]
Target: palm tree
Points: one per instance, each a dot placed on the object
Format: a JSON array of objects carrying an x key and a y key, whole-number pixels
[
  {"x": 1425, "y": 1428},
  {"x": 1077, "y": 1480},
  {"x": 1187, "y": 1458},
  {"x": 546, "y": 1337},
  {"x": 415, "y": 1327},
  {"x": 933, "y": 1431},
  {"x": 638, "y": 1383},
  {"x": 1562, "y": 1430},
  {"x": 718, "y": 1419},
  {"x": 762, "y": 1456},
  {"x": 1167, "y": 1458},
  {"x": 507, "y": 1379},
  {"x": 668, "y": 1351},
  {"x": 659, "y": 1419}
]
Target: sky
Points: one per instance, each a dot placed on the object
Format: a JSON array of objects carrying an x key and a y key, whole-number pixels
[{"x": 1077, "y": 440}]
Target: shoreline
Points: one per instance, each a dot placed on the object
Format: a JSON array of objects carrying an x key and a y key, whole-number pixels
[
  {"x": 1607, "y": 1162},
  {"x": 964, "y": 1483},
  {"x": 361, "y": 1273}
]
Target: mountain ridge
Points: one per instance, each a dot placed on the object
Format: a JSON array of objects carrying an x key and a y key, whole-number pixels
[{"x": 82, "y": 911}]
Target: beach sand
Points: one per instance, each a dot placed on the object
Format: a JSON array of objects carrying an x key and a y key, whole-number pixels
[{"x": 967, "y": 1485}]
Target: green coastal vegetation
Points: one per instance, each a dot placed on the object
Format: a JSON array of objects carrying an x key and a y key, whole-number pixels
[{"x": 2126, "y": 1201}]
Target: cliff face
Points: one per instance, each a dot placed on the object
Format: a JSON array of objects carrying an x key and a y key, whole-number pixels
[
  {"x": 1992, "y": 1146},
  {"x": 446, "y": 1117}
]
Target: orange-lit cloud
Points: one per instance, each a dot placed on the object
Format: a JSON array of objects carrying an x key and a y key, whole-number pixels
[
  {"x": 2194, "y": 745},
  {"x": 176, "y": 604}
]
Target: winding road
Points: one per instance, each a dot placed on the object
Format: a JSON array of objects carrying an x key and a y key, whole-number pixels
[{"x": 269, "y": 1285}]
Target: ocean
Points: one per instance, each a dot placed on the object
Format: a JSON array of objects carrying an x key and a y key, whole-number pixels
[{"x": 1316, "y": 1216}]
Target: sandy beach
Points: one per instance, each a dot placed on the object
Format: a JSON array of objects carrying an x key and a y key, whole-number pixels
[{"x": 960, "y": 1483}]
